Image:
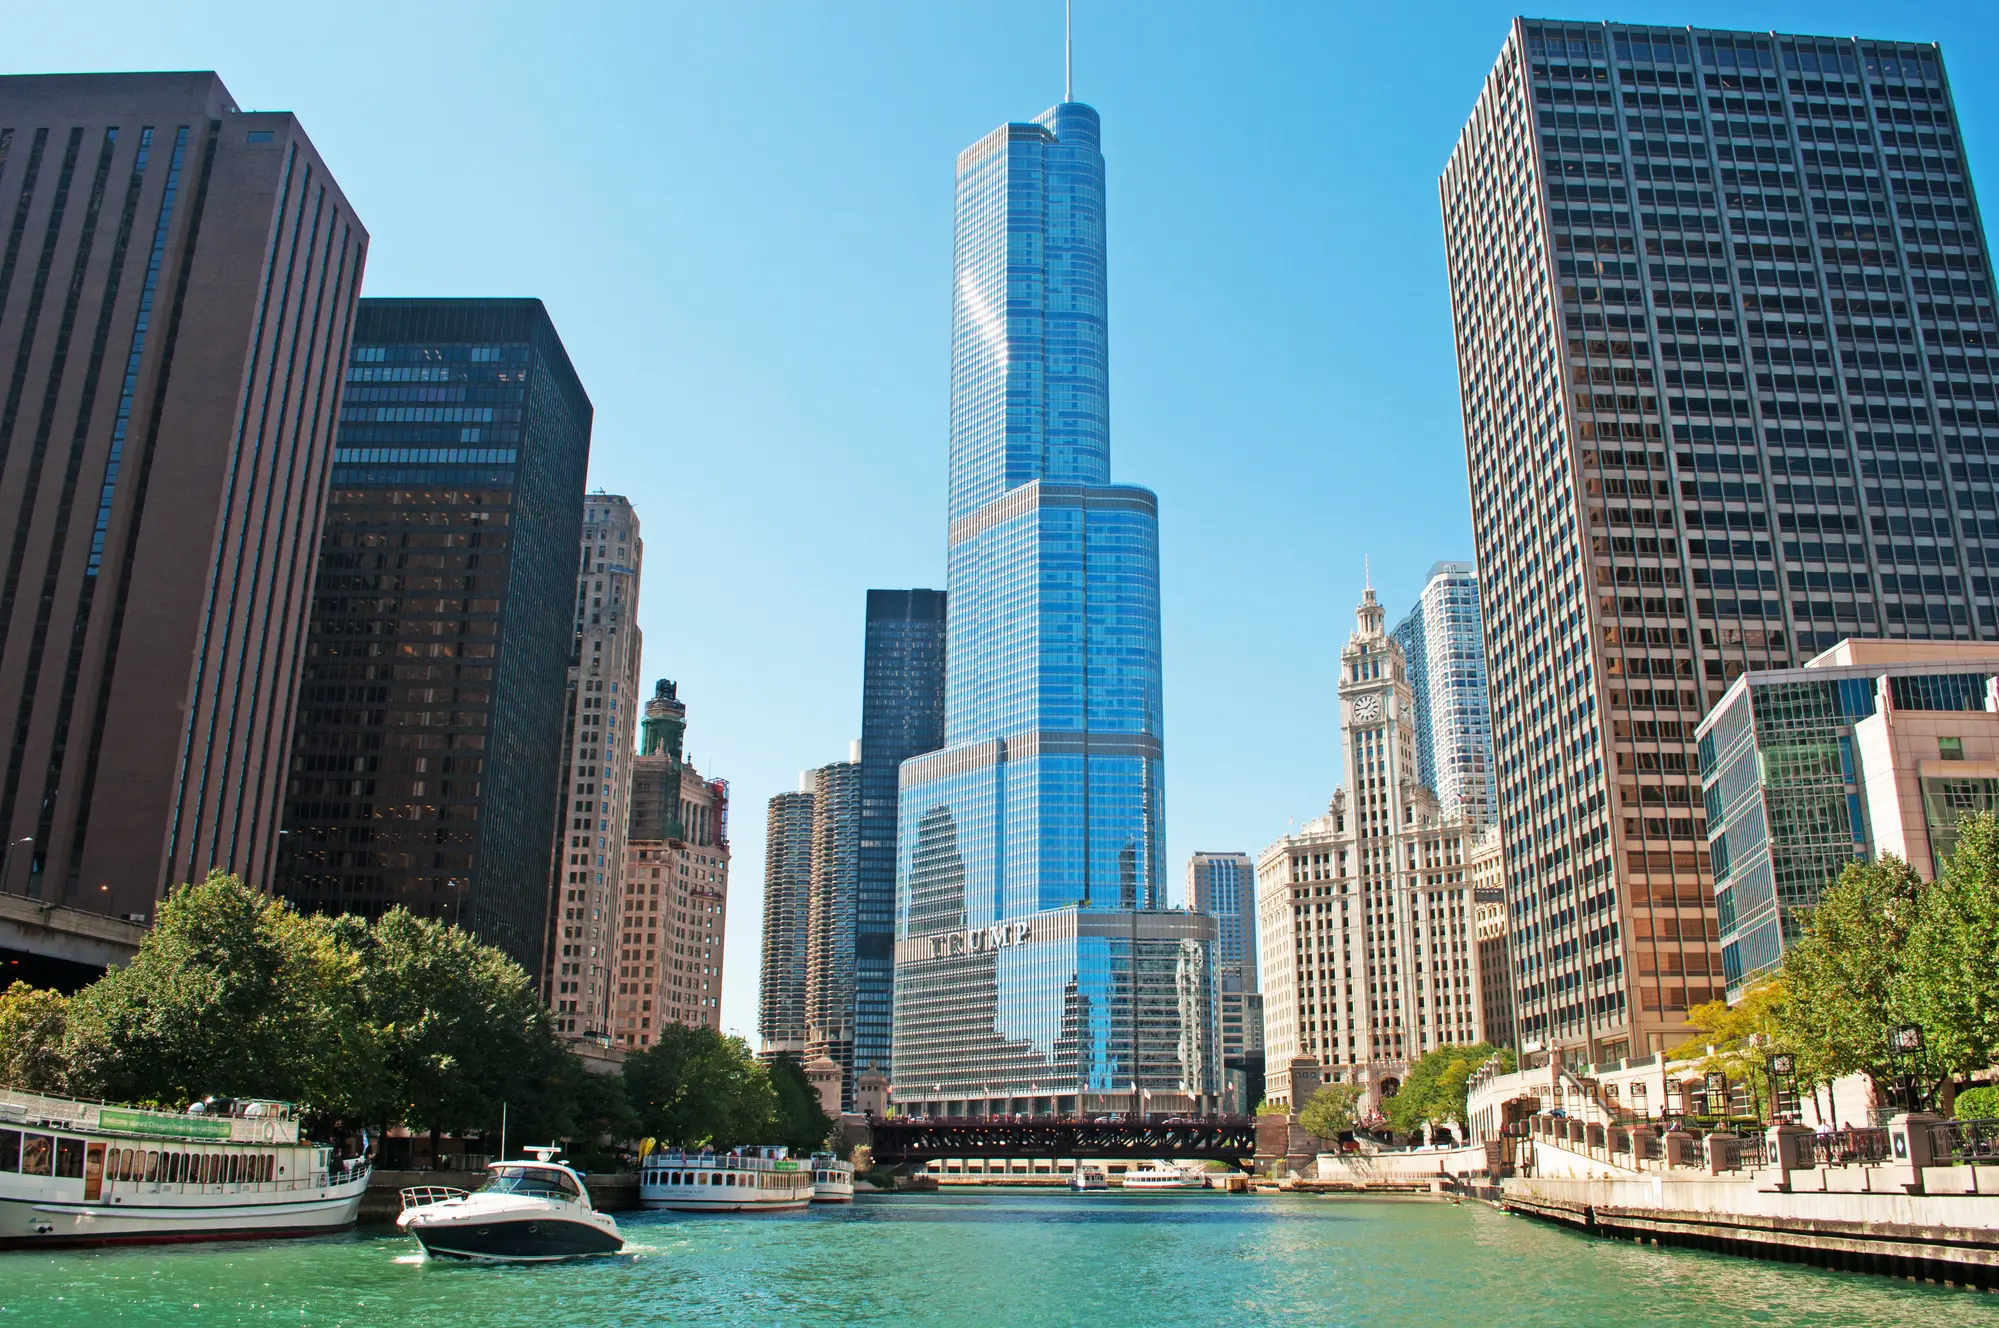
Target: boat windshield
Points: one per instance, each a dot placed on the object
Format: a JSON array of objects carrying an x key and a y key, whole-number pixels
[{"x": 530, "y": 1180}]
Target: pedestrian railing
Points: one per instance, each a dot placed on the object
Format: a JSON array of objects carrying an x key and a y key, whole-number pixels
[
  {"x": 1860, "y": 1146},
  {"x": 1965, "y": 1141},
  {"x": 1752, "y": 1152},
  {"x": 1726, "y": 1151}
]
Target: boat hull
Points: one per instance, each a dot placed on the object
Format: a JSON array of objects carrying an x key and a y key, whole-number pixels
[
  {"x": 691, "y": 1205},
  {"x": 540, "y": 1239},
  {"x": 28, "y": 1223}
]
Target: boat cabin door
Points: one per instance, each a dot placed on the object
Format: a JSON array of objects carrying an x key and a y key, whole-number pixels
[{"x": 93, "y": 1173}]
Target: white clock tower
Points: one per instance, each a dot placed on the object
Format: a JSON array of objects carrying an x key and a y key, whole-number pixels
[
  {"x": 1366, "y": 932},
  {"x": 1378, "y": 735}
]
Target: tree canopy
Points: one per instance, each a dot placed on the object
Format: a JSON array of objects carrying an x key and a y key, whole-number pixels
[
  {"x": 697, "y": 1088},
  {"x": 234, "y": 993},
  {"x": 231, "y": 992},
  {"x": 1844, "y": 975},
  {"x": 34, "y": 1025},
  {"x": 1437, "y": 1086},
  {"x": 802, "y": 1125},
  {"x": 1333, "y": 1110},
  {"x": 1883, "y": 949},
  {"x": 1734, "y": 1040}
]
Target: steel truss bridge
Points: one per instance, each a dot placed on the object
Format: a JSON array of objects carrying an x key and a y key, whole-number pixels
[{"x": 900, "y": 1141}]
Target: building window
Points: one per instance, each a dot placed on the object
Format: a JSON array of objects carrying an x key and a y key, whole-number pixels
[{"x": 1950, "y": 749}]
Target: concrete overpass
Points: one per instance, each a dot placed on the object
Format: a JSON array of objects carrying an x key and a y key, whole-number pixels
[{"x": 48, "y": 945}]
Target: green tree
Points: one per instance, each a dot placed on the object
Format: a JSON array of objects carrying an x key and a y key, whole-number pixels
[
  {"x": 463, "y": 1034},
  {"x": 1736, "y": 1040},
  {"x": 1980, "y": 1103},
  {"x": 1333, "y": 1110},
  {"x": 696, "y": 1088},
  {"x": 1437, "y": 1086},
  {"x": 802, "y": 1124},
  {"x": 1845, "y": 975},
  {"x": 1948, "y": 981},
  {"x": 34, "y": 1025},
  {"x": 226, "y": 995}
]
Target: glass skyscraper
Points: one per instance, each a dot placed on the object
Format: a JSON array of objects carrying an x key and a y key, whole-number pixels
[
  {"x": 427, "y": 758},
  {"x": 1445, "y": 650},
  {"x": 1031, "y": 946},
  {"x": 902, "y": 715},
  {"x": 1724, "y": 324},
  {"x": 1874, "y": 747}
]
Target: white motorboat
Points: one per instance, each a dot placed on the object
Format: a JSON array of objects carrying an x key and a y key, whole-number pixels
[
  {"x": 1088, "y": 1180},
  {"x": 526, "y": 1212},
  {"x": 90, "y": 1173},
  {"x": 745, "y": 1180},
  {"x": 832, "y": 1179},
  {"x": 1160, "y": 1176}
]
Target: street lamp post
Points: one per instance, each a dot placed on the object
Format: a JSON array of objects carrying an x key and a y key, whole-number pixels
[
  {"x": 7, "y": 863},
  {"x": 1717, "y": 1093},
  {"x": 1782, "y": 1070},
  {"x": 1906, "y": 1047}
]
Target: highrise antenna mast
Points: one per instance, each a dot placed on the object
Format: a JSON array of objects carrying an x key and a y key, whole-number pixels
[{"x": 1068, "y": 50}]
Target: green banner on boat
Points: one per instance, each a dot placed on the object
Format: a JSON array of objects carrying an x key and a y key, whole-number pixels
[
  {"x": 784, "y": 1166},
  {"x": 161, "y": 1123}
]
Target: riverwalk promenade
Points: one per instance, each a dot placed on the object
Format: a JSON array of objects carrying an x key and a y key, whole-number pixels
[{"x": 1909, "y": 1200}]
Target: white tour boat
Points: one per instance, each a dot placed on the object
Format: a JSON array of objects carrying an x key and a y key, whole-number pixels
[
  {"x": 1160, "y": 1176},
  {"x": 526, "y": 1212},
  {"x": 1087, "y": 1180},
  {"x": 89, "y": 1173},
  {"x": 832, "y": 1179},
  {"x": 746, "y": 1180}
]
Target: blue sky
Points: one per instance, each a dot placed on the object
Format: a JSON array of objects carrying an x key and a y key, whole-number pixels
[{"x": 739, "y": 215}]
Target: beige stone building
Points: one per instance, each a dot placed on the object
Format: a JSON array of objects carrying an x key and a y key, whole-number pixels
[
  {"x": 601, "y": 727},
  {"x": 676, "y": 886},
  {"x": 1365, "y": 916},
  {"x": 1495, "y": 937}
]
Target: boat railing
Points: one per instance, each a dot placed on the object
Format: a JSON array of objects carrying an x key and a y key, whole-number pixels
[
  {"x": 719, "y": 1162},
  {"x": 23, "y": 1108},
  {"x": 422, "y": 1196},
  {"x": 254, "y": 1122},
  {"x": 317, "y": 1178}
]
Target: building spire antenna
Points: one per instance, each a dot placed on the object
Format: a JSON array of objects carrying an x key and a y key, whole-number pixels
[
  {"x": 1068, "y": 50},
  {"x": 1367, "y": 570}
]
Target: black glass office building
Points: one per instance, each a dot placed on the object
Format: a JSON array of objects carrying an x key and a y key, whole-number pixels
[
  {"x": 902, "y": 715},
  {"x": 427, "y": 758}
]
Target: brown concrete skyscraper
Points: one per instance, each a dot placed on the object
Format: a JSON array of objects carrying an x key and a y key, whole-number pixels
[
  {"x": 1724, "y": 319},
  {"x": 177, "y": 279}
]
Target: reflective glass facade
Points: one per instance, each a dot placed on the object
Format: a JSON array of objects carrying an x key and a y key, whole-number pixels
[
  {"x": 1792, "y": 761},
  {"x": 1445, "y": 649},
  {"x": 1047, "y": 794},
  {"x": 427, "y": 757},
  {"x": 1223, "y": 885},
  {"x": 902, "y": 715},
  {"x": 1723, "y": 317}
]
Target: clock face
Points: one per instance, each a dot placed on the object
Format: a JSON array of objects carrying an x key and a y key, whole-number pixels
[{"x": 1367, "y": 709}]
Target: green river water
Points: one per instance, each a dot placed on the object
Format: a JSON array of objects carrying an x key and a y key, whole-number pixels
[{"x": 991, "y": 1258}]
